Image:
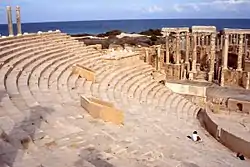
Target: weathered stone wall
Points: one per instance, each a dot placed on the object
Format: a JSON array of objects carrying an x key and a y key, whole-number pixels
[
  {"x": 173, "y": 71},
  {"x": 207, "y": 123},
  {"x": 246, "y": 80},
  {"x": 232, "y": 78},
  {"x": 231, "y": 141},
  {"x": 239, "y": 105},
  {"x": 235, "y": 143}
]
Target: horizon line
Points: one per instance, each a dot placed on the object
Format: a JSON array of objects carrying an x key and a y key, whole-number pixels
[{"x": 58, "y": 21}]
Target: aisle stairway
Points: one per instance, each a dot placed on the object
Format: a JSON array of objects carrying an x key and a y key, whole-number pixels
[{"x": 42, "y": 123}]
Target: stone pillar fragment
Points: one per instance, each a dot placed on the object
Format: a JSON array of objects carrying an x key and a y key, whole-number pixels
[
  {"x": 187, "y": 48},
  {"x": 240, "y": 53},
  {"x": 221, "y": 42},
  {"x": 159, "y": 59},
  {"x": 194, "y": 57},
  {"x": 178, "y": 52},
  {"x": 167, "y": 49},
  {"x": 225, "y": 52},
  {"x": 10, "y": 24},
  {"x": 212, "y": 58},
  {"x": 194, "y": 53},
  {"x": 18, "y": 21}
]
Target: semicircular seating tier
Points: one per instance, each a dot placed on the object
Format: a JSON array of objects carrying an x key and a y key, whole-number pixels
[{"x": 43, "y": 123}]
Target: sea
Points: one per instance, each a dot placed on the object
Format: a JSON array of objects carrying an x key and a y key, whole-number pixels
[{"x": 129, "y": 26}]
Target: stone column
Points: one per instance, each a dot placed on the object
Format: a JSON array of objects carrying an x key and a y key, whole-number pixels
[
  {"x": 187, "y": 48},
  {"x": 225, "y": 51},
  {"x": 202, "y": 40},
  {"x": 246, "y": 42},
  {"x": 194, "y": 53},
  {"x": 230, "y": 39},
  {"x": 207, "y": 41},
  {"x": 18, "y": 21},
  {"x": 10, "y": 24},
  {"x": 198, "y": 40},
  {"x": 222, "y": 81},
  {"x": 178, "y": 54},
  {"x": 212, "y": 58},
  {"x": 167, "y": 49},
  {"x": 218, "y": 44},
  {"x": 159, "y": 60},
  {"x": 240, "y": 53},
  {"x": 221, "y": 42}
]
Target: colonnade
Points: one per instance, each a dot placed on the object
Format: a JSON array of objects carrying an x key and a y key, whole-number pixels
[{"x": 18, "y": 21}]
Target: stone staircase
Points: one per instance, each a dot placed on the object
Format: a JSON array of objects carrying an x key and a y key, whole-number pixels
[{"x": 42, "y": 123}]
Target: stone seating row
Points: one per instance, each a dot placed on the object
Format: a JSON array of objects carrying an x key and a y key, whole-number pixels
[{"x": 65, "y": 128}]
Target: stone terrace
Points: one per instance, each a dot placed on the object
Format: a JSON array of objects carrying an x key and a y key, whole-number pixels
[{"x": 43, "y": 124}]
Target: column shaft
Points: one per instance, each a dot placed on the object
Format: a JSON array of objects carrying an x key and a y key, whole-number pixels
[
  {"x": 187, "y": 48},
  {"x": 18, "y": 20},
  {"x": 240, "y": 53},
  {"x": 225, "y": 51},
  {"x": 159, "y": 60},
  {"x": 178, "y": 48},
  {"x": 212, "y": 57},
  {"x": 221, "y": 42},
  {"x": 194, "y": 53},
  {"x": 167, "y": 50},
  {"x": 10, "y": 24}
]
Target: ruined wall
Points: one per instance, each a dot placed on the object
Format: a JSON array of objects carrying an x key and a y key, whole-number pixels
[
  {"x": 231, "y": 141},
  {"x": 173, "y": 71},
  {"x": 232, "y": 78},
  {"x": 207, "y": 123},
  {"x": 235, "y": 143},
  {"x": 238, "y": 105}
]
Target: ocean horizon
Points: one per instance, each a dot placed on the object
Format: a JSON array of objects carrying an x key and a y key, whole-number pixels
[{"x": 129, "y": 26}]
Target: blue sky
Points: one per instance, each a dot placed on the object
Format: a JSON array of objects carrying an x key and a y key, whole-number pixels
[{"x": 70, "y": 10}]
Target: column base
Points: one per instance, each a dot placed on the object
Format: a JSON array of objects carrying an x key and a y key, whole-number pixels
[
  {"x": 210, "y": 76},
  {"x": 192, "y": 75}
]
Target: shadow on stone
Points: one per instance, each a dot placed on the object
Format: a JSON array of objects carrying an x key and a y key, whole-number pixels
[
  {"x": 17, "y": 141},
  {"x": 90, "y": 157},
  {"x": 2, "y": 94}
]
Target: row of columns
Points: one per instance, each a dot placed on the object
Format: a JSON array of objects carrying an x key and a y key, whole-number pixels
[
  {"x": 18, "y": 21},
  {"x": 178, "y": 49},
  {"x": 225, "y": 52}
]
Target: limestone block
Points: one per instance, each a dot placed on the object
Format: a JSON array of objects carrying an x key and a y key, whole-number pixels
[
  {"x": 102, "y": 110},
  {"x": 84, "y": 72}
]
